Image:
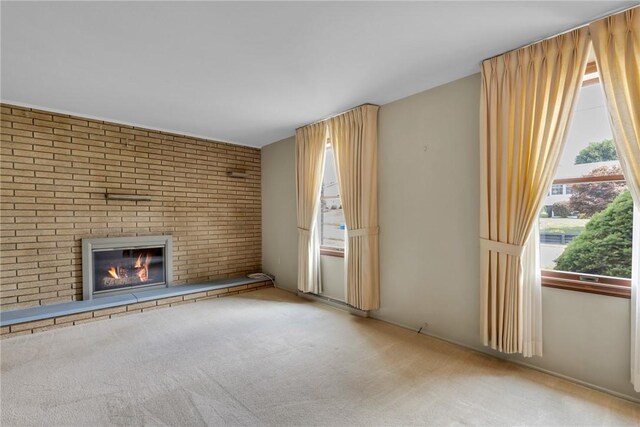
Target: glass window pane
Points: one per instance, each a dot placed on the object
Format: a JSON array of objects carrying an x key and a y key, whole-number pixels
[
  {"x": 331, "y": 218},
  {"x": 587, "y": 227},
  {"x": 590, "y": 140}
]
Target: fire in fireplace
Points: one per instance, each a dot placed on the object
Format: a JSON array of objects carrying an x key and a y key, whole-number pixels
[
  {"x": 121, "y": 268},
  {"x": 116, "y": 265}
]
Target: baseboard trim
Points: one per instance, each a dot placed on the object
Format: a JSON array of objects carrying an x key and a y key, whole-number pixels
[
  {"x": 334, "y": 303},
  {"x": 517, "y": 362}
]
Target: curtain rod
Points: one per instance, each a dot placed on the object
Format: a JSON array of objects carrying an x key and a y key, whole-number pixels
[
  {"x": 336, "y": 115},
  {"x": 608, "y": 14}
]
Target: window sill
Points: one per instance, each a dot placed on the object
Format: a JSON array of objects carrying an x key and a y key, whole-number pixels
[
  {"x": 609, "y": 286},
  {"x": 332, "y": 252}
]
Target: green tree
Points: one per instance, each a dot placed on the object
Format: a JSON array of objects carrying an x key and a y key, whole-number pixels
[
  {"x": 604, "y": 247},
  {"x": 597, "y": 152}
]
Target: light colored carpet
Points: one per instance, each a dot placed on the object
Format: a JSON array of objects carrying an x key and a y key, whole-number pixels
[{"x": 268, "y": 357}]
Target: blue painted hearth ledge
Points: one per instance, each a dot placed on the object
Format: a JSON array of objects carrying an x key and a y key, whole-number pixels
[{"x": 42, "y": 312}]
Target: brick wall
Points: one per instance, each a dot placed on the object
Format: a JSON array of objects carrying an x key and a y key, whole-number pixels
[{"x": 54, "y": 173}]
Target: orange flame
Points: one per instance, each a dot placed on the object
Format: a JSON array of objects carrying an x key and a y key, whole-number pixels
[
  {"x": 112, "y": 271},
  {"x": 143, "y": 269}
]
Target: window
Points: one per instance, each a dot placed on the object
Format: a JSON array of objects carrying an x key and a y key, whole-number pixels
[
  {"x": 331, "y": 217},
  {"x": 586, "y": 222}
]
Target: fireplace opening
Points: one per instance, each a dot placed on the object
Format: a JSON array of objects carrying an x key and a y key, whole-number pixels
[
  {"x": 126, "y": 268},
  {"x": 117, "y": 265}
]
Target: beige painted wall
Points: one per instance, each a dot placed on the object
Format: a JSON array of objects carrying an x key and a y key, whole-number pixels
[
  {"x": 279, "y": 231},
  {"x": 429, "y": 252},
  {"x": 332, "y": 275}
]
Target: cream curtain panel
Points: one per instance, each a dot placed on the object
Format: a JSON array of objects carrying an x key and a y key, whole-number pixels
[
  {"x": 354, "y": 138},
  {"x": 310, "y": 151},
  {"x": 527, "y": 101},
  {"x": 616, "y": 42}
]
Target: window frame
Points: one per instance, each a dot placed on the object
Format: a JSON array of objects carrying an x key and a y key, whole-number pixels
[
  {"x": 581, "y": 282},
  {"x": 589, "y": 283},
  {"x": 554, "y": 188},
  {"x": 332, "y": 251}
]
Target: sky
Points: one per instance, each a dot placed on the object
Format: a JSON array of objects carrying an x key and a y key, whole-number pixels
[{"x": 590, "y": 124}]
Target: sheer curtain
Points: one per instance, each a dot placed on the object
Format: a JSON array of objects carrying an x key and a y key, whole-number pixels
[
  {"x": 616, "y": 42},
  {"x": 527, "y": 100},
  {"x": 310, "y": 151},
  {"x": 354, "y": 138}
]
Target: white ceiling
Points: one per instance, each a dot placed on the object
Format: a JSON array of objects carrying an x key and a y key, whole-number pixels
[{"x": 251, "y": 72}]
